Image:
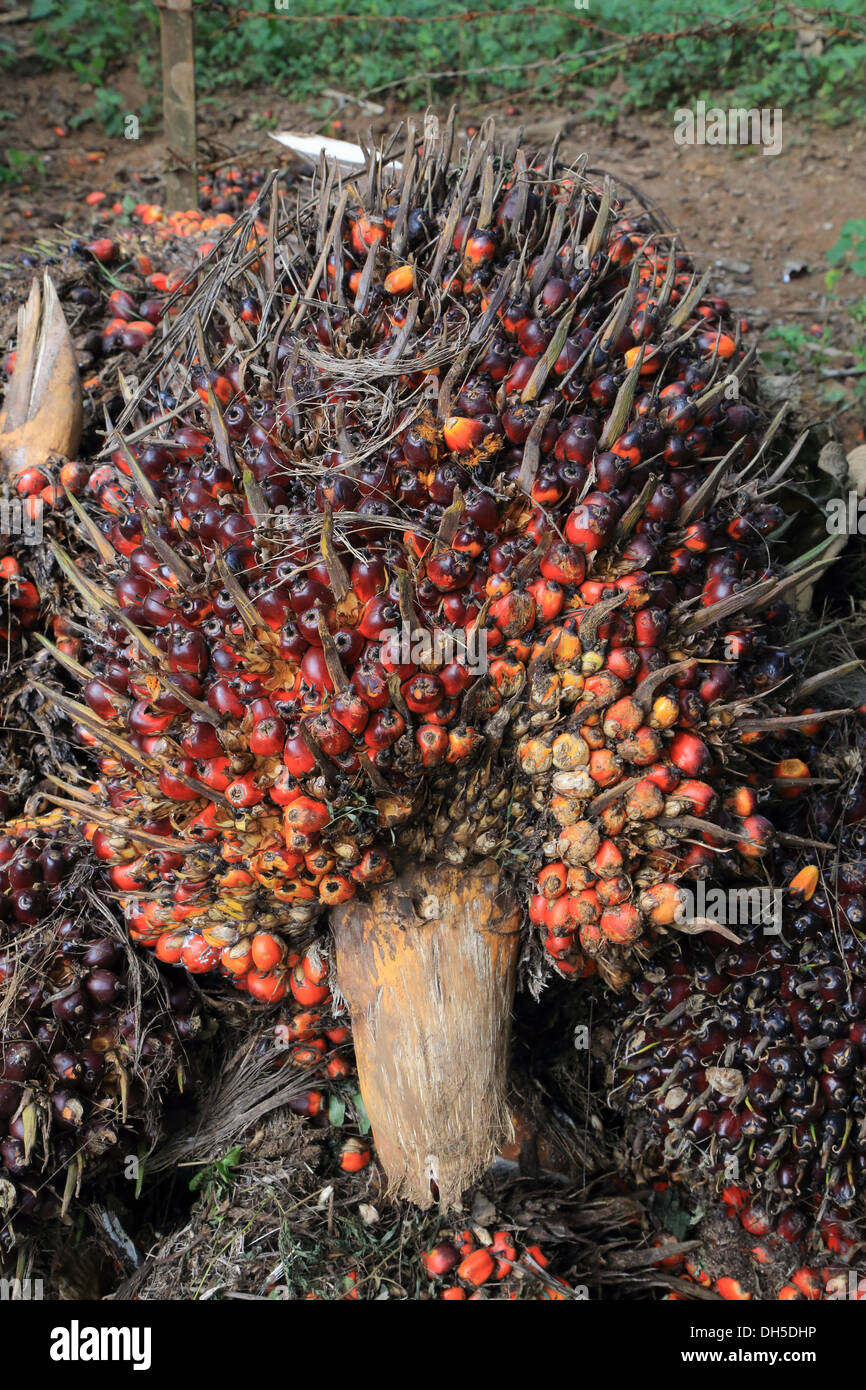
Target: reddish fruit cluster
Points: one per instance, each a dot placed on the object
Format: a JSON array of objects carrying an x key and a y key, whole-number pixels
[
  {"x": 785, "y": 1267},
  {"x": 310, "y": 1039},
  {"x": 495, "y": 1269},
  {"x": 750, "y": 1059},
  {"x": 506, "y": 421},
  {"x": 79, "y": 1030}
]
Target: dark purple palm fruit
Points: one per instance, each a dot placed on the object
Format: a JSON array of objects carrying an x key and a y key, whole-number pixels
[
  {"x": 91, "y": 1043},
  {"x": 742, "y": 1062}
]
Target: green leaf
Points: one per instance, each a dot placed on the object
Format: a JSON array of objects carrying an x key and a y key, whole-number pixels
[
  {"x": 336, "y": 1110},
  {"x": 361, "y": 1112}
]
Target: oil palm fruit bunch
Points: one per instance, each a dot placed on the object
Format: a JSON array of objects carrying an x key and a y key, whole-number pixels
[
  {"x": 744, "y": 1063},
  {"x": 431, "y": 555},
  {"x": 91, "y": 1041}
]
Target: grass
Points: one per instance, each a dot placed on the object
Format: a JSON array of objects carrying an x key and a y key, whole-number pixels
[
  {"x": 560, "y": 52},
  {"x": 813, "y": 352}
]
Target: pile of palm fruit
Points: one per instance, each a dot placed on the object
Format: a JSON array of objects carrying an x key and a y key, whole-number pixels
[{"x": 439, "y": 529}]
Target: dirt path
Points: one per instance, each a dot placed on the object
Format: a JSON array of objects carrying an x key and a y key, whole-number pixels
[{"x": 753, "y": 215}]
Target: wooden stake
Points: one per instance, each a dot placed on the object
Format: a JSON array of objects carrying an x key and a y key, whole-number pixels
[
  {"x": 427, "y": 965},
  {"x": 178, "y": 103}
]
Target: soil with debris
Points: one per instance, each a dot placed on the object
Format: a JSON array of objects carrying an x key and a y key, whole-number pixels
[{"x": 766, "y": 222}]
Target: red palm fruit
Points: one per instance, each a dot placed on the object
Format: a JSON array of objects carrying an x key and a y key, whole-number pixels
[
  {"x": 650, "y": 626},
  {"x": 422, "y": 693},
  {"x": 354, "y": 1156},
  {"x": 336, "y": 888},
  {"x": 716, "y": 684},
  {"x": 623, "y": 662},
  {"x": 199, "y": 740},
  {"x": 539, "y": 908},
  {"x": 605, "y": 767},
  {"x": 507, "y": 675},
  {"x": 171, "y": 786},
  {"x": 607, "y": 862},
  {"x": 450, "y": 569},
  {"x": 789, "y": 769},
  {"x": 476, "y": 1268},
  {"x": 433, "y": 742},
  {"x": 698, "y": 797},
  {"x": 441, "y": 1259},
  {"x": 314, "y": 670},
  {"x": 306, "y": 991},
  {"x": 622, "y": 718},
  {"x": 223, "y": 699},
  {"x": 384, "y": 728},
  {"x": 236, "y": 960},
  {"x": 578, "y": 843},
  {"x": 462, "y": 434},
  {"x": 265, "y": 986},
  {"x": 642, "y": 749},
  {"x": 169, "y": 947},
  {"x": 297, "y": 755},
  {"x": 268, "y": 736},
  {"x": 591, "y": 523},
  {"x": 197, "y": 956},
  {"x": 330, "y": 735},
  {"x": 350, "y": 710},
  {"x": 549, "y": 598},
  {"x": 756, "y": 837},
  {"x": 621, "y": 925},
  {"x": 690, "y": 754},
  {"x": 612, "y": 891},
  {"x": 267, "y": 951},
  {"x": 552, "y": 879},
  {"x": 374, "y": 867},
  {"x": 371, "y": 685},
  {"x": 563, "y": 563},
  {"x": 644, "y": 801},
  {"x": 284, "y": 789},
  {"x": 243, "y": 791},
  {"x": 462, "y": 742},
  {"x": 514, "y": 613},
  {"x": 306, "y": 815}
]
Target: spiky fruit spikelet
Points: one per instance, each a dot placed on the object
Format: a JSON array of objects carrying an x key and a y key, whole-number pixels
[
  {"x": 483, "y": 407},
  {"x": 557, "y": 498},
  {"x": 745, "y": 1064},
  {"x": 90, "y": 1042}
]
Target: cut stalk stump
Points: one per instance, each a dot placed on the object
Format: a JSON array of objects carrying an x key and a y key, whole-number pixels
[{"x": 427, "y": 965}]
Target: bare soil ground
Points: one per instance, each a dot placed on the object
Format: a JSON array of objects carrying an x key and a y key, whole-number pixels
[{"x": 766, "y": 222}]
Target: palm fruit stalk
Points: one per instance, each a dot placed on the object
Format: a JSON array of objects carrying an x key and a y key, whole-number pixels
[
  {"x": 741, "y": 1065},
  {"x": 92, "y": 1042},
  {"x": 478, "y": 405}
]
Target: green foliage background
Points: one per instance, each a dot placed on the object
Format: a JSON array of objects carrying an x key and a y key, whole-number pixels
[{"x": 499, "y": 54}]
